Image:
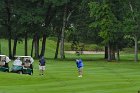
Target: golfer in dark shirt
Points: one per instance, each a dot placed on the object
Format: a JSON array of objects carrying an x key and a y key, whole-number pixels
[{"x": 42, "y": 65}]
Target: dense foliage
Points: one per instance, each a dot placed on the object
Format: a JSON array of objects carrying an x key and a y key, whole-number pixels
[{"x": 110, "y": 23}]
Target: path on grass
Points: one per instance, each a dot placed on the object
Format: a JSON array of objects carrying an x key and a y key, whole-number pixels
[{"x": 86, "y": 52}]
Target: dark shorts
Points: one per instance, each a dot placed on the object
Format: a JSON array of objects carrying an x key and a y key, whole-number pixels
[{"x": 80, "y": 68}]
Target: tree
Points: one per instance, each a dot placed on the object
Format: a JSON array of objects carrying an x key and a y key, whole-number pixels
[
  {"x": 7, "y": 10},
  {"x": 107, "y": 24},
  {"x": 132, "y": 22}
]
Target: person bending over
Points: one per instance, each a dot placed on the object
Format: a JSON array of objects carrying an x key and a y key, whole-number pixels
[{"x": 79, "y": 64}]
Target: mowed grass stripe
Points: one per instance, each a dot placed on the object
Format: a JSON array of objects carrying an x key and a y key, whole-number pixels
[{"x": 55, "y": 86}]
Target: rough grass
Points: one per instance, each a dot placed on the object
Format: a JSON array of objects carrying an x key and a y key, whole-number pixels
[
  {"x": 50, "y": 47},
  {"x": 61, "y": 77}
]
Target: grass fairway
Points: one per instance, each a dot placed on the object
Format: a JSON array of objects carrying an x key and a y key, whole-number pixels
[{"x": 61, "y": 77}]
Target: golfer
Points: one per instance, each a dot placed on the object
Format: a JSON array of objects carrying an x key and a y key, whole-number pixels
[
  {"x": 7, "y": 61},
  {"x": 17, "y": 62},
  {"x": 32, "y": 61},
  {"x": 79, "y": 64},
  {"x": 42, "y": 65}
]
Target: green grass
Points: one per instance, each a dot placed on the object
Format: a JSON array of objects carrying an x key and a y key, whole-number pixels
[
  {"x": 50, "y": 50},
  {"x": 50, "y": 47},
  {"x": 87, "y": 47},
  {"x": 61, "y": 77}
]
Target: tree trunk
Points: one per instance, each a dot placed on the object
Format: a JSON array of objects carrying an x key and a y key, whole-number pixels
[
  {"x": 118, "y": 53},
  {"x": 57, "y": 47},
  {"x": 136, "y": 48},
  {"x": 36, "y": 44},
  {"x": 62, "y": 55},
  {"x": 112, "y": 53},
  {"x": 10, "y": 46},
  {"x": 26, "y": 44},
  {"x": 135, "y": 37},
  {"x": 109, "y": 53},
  {"x": 32, "y": 47},
  {"x": 8, "y": 23},
  {"x": 106, "y": 52},
  {"x": 15, "y": 46},
  {"x": 38, "y": 47},
  {"x": 43, "y": 45},
  {"x": 0, "y": 48}
]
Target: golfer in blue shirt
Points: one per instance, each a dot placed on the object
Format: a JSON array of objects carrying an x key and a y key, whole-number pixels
[{"x": 79, "y": 64}]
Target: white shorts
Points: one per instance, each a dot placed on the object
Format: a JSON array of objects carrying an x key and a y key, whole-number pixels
[{"x": 41, "y": 67}]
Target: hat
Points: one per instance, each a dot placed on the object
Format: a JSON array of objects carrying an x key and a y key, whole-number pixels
[{"x": 77, "y": 60}]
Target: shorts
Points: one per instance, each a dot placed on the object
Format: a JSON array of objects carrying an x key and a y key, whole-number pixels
[
  {"x": 80, "y": 69},
  {"x": 41, "y": 67}
]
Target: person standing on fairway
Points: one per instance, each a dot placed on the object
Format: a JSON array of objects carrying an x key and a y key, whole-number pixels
[
  {"x": 79, "y": 64},
  {"x": 42, "y": 65},
  {"x": 17, "y": 62}
]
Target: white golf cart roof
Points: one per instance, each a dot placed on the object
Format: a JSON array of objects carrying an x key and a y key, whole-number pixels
[
  {"x": 22, "y": 56},
  {"x": 2, "y": 55}
]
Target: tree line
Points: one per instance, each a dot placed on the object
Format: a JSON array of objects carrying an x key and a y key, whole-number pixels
[{"x": 111, "y": 23}]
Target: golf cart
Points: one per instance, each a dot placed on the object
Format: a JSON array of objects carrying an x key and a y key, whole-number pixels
[
  {"x": 24, "y": 65},
  {"x": 3, "y": 64}
]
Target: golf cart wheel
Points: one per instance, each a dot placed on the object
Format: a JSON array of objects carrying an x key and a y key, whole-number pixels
[
  {"x": 31, "y": 73},
  {"x": 6, "y": 70},
  {"x": 19, "y": 72}
]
